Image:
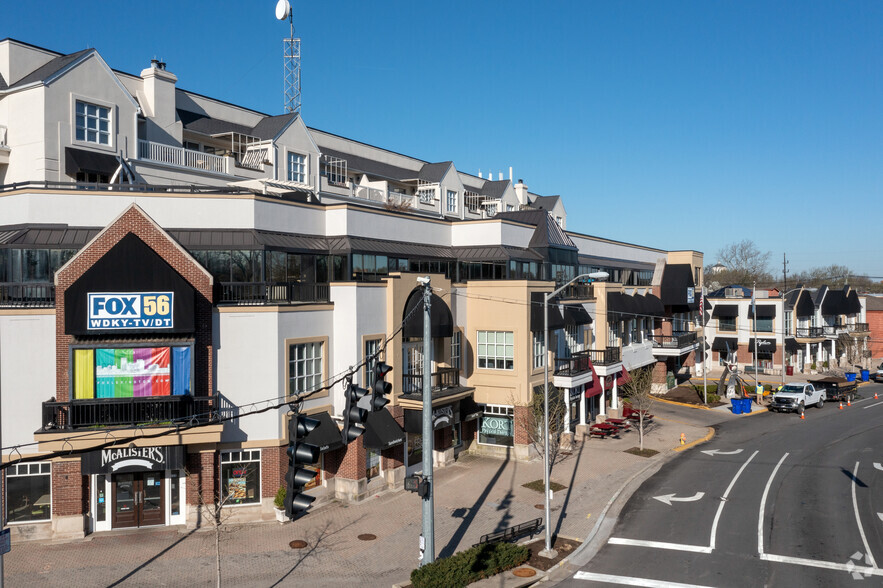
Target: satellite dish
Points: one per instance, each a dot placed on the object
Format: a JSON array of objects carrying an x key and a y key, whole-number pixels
[{"x": 283, "y": 9}]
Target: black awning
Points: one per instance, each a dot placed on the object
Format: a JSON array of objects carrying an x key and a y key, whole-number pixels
[
  {"x": 326, "y": 436},
  {"x": 791, "y": 346},
  {"x": 804, "y": 306},
  {"x": 382, "y": 431},
  {"x": 575, "y": 314},
  {"x": 469, "y": 409},
  {"x": 853, "y": 304},
  {"x": 440, "y": 319},
  {"x": 76, "y": 160},
  {"x": 442, "y": 416},
  {"x": 834, "y": 303},
  {"x": 623, "y": 304},
  {"x": 653, "y": 305},
  {"x": 766, "y": 345},
  {"x": 721, "y": 343},
  {"x": 763, "y": 311},
  {"x": 677, "y": 288},
  {"x": 725, "y": 310},
  {"x": 556, "y": 320}
]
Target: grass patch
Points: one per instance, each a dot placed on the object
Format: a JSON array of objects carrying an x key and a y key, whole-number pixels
[
  {"x": 537, "y": 486},
  {"x": 642, "y": 453}
]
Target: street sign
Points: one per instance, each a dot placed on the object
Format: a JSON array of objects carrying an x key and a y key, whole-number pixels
[{"x": 5, "y": 544}]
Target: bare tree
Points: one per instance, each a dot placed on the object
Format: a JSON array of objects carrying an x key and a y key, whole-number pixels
[
  {"x": 638, "y": 391},
  {"x": 745, "y": 264},
  {"x": 532, "y": 419},
  {"x": 852, "y": 349},
  {"x": 212, "y": 507}
]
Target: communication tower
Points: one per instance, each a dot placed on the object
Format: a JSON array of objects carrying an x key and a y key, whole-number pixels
[{"x": 291, "y": 60}]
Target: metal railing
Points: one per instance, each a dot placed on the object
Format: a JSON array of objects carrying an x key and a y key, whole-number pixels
[
  {"x": 858, "y": 328},
  {"x": 578, "y": 363},
  {"x": 369, "y": 193},
  {"x": 578, "y": 292},
  {"x": 606, "y": 356},
  {"x": 443, "y": 379},
  {"x": 27, "y": 295},
  {"x": 673, "y": 341},
  {"x": 810, "y": 332},
  {"x": 273, "y": 292},
  {"x": 171, "y": 155},
  {"x": 115, "y": 412},
  {"x": 188, "y": 189}
]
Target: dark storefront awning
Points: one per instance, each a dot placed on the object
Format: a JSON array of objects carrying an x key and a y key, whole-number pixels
[
  {"x": 622, "y": 304},
  {"x": 791, "y": 346},
  {"x": 326, "y": 436},
  {"x": 442, "y": 416},
  {"x": 440, "y": 319},
  {"x": 469, "y": 409},
  {"x": 76, "y": 160},
  {"x": 764, "y": 311},
  {"x": 721, "y": 343},
  {"x": 678, "y": 289},
  {"x": 653, "y": 306},
  {"x": 725, "y": 310},
  {"x": 556, "y": 320},
  {"x": 382, "y": 431},
  {"x": 764, "y": 345},
  {"x": 575, "y": 314}
]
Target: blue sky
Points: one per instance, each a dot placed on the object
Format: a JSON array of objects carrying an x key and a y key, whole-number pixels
[{"x": 678, "y": 125}]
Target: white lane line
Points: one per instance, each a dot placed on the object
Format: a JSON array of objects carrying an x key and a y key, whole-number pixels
[
  {"x": 858, "y": 520},
  {"x": 720, "y": 508},
  {"x": 763, "y": 498},
  {"x": 872, "y": 405},
  {"x": 629, "y": 581},
  {"x": 827, "y": 565},
  {"x": 659, "y": 545}
]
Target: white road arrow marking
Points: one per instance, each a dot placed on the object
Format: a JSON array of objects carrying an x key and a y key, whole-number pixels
[
  {"x": 878, "y": 466},
  {"x": 669, "y": 498},
  {"x": 719, "y": 452},
  {"x": 880, "y": 515}
]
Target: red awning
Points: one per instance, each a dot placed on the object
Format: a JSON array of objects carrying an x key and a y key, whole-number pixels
[{"x": 593, "y": 389}]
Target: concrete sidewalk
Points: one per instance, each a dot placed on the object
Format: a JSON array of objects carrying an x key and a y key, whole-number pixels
[{"x": 474, "y": 496}]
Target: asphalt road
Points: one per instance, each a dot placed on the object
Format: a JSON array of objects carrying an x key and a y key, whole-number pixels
[{"x": 772, "y": 500}]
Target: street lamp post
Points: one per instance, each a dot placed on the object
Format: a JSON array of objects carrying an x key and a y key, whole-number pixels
[{"x": 548, "y": 551}]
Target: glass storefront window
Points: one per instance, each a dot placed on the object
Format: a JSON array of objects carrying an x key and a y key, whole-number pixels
[
  {"x": 175, "y": 490},
  {"x": 372, "y": 463},
  {"x": 497, "y": 426},
  {"x": 241, "y": 476},
  {"x": 101, "y": 493},
  {"x": 29, "y": 492}
]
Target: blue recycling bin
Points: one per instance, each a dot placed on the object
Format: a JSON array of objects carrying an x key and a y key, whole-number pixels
[
  {"x": 746, "y": 405},
  {"x": 866, "y": 375},
  {"x": 737, "y": 405},
  {"x": 850, "y": 376}
]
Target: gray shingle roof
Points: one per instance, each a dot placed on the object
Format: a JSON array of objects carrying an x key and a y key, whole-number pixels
[
  {"x": 494, "y": 188},
  {"x": 371, "y": 167},
  {"x": 269, "y": 127},
  {"x": 48, "y": 69},
  {"x": 205, "y": 125},
  {"x": 546, "y": 202},
  {"x": 434, "y": 172}
]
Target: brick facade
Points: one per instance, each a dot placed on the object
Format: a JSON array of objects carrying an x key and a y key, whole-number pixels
[
  {"x": 202, "y": 476},
  {"x": 70, "y": 495},
  {"x": 875, "y": 324}
]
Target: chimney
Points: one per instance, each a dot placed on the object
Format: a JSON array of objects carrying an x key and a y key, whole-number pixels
[
  {"x": 479, "y": 173},
  {"x": 510, "y": 173},
  {"x": 521, "y": 193},
  {"x": 500, "y": 176},
  {"x": 158, "y": 102}
]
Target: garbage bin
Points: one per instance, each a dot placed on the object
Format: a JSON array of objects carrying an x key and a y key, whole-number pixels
[
  {"x": 746, "y": 405},
  {"x": 850, "y": 376},
  {"x": 789, "y": 370},
  {"x": 737, "y": 405},
  {"x": 866, "y": 375}
]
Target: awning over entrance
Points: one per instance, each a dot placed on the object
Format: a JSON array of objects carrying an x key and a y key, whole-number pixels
[
  {"x": 442, "y": 416},
  {"x": 678, "y": 289},
  {"x": 440, "y": 319},
  {"x": 469, "y": 409},
  {"x": 721, "y": 343},
  {"x": 765, "y": 345},
  {"x": 763, "y": 311},
  {"x": 382, "y": 431},
  {"x": 326, "y": 436},
  {"x": 76, "y": 160},
  {"x": 725, "y": 310},
  {"x": 791, "y": 346},
  {"x": 575, "y": 314},
  {"x": 119, "y": 460},
  {"x": 556, "y": 320}
]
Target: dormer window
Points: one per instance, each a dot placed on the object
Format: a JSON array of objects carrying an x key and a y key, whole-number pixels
[
  {"x": 297, "y": 171},
  {"x": 93, "y": 123}
]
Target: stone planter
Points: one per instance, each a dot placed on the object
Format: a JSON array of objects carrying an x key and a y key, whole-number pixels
[{"x": 280, "y": 514}]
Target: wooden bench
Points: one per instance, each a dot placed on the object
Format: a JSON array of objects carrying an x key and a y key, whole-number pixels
[{"x": 512, "y": 533}]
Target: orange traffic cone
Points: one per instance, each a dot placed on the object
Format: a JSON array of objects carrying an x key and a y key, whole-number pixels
[
  {"x": 875, "y": 396},
  {"x": 848, "y": 402},
  {"x": 841, "y": 405},
  {"x": 803, "y": 418}
]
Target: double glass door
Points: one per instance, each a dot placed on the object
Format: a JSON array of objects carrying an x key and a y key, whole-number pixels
[{"x": 138, "y": 499}]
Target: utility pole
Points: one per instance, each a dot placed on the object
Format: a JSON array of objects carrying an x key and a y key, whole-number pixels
[
  {"x": 704, "y": 343},
  {"x": 428, "y": 512},
  {"x": 784, "y": 289}
]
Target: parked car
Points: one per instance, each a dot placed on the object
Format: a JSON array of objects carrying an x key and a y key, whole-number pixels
[
  {"x": 836, "y": 388},
  {"x": 795, "y": 397},
  {"x": 878, "y": 376}
]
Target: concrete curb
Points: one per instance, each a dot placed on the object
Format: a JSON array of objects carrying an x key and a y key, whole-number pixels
[
  {"x": 708, "y": 437},
  {"x": 675, "y": 403}
]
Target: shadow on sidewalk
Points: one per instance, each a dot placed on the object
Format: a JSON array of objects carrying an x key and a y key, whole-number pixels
[
  {"x": 448, "y": 550},
  {"x": 152, "y": 559},
  {"x": 315, "y": 541},
  {"x": 563, "y": 513}
]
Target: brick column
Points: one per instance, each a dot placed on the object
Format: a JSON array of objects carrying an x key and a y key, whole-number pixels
[
  {"x": 202, "y": 477},
  {"x": 69, "y": 489}
]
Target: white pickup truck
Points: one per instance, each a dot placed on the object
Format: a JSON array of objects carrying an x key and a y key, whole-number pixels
[{"x": 796, "y": 397}]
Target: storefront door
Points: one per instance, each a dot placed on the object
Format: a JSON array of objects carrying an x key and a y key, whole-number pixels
[
  {"x": 414, "y": 454},
  {"x": 138, "y": 499}
]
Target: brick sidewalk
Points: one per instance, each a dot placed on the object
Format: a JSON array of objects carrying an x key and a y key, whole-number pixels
[{"x": 474, "y": 496}]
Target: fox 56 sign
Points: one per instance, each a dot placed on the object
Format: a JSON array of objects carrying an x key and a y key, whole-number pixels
[{"x": 130, "y": 310}]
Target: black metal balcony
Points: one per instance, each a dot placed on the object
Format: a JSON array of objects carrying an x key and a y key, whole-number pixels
[
  {"x": 443, "y": 379},
  {"x": 257, "y": 293},
  {"x": 577, "y": 292},
  {"x": 27, "y": 295},
  {"x": 810, "y": 332},
  {"x": 607, "y": 356},
  {"x": 129, "y": 412},
  {"x": 677, "y": 340},
  {"x": 578, "y": 363}
]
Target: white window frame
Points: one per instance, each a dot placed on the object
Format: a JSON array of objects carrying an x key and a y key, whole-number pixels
[
  {"x": 426, "y": 195},
  {"x": 451, "y": 201},
  {"x": 251, "y": 459},
  {"x": 508, "y": 344},
  {"x": 75, "y": 127},
  {"x": 13, "y": 472},
  {"x": 379, "y": 454},
  {"x": 297, "y": 365},
  {"x": 456, "y": 347},
  {"x": 498, "y": 410},
  {"x": 304, "y": 167},
  {"x": 372, "y": 346},
  {"x": 539, "y": 350}
]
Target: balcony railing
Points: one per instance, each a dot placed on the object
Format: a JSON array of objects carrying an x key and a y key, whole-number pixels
[
  {"x": 858, "y": 328},
  {"x": 607, "y": 356},
  {"x": 443, "y": 379},
  {"x": 27, "y": 295},
  {"x": 249, "y": 293},
  {"x": 578, "y": 363},
  {"x": 674, "y": 341},
  {"x": 115, "y": 412},
  {"x": 578, "y": 292},
  {"x": 810, "y": 332},
  {"x": 171, "y": 155}
]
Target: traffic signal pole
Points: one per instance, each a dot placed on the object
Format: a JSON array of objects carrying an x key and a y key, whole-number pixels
[{"x": 428, "y": 517}]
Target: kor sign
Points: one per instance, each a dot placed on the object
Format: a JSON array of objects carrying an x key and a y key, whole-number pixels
[
  {"x": 130, "y": 310},
  {"x": 133, "y": 459}
]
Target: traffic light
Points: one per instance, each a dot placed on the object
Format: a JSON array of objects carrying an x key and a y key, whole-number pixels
[
  {"x": 300, "y": 454},
  {"x": 381, "y": 387},
  {"x": 353, "y": 416}
]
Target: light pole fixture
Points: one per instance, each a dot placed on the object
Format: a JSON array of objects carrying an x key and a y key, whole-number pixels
[{"x": 548, "y": 552}]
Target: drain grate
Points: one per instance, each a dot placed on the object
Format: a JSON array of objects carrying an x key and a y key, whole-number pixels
[
  {"x": 367, "y": 537},
  {"x": 297, "y": 544}
]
